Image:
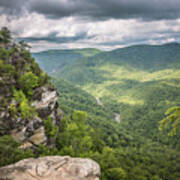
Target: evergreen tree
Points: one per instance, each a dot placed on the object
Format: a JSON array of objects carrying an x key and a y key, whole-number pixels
[{"x": 5, "y": 35}]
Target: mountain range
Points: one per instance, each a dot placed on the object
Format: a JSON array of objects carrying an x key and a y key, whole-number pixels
[
  {"x": 126, "y": 93},
  {"x": 107, "y": 107}
]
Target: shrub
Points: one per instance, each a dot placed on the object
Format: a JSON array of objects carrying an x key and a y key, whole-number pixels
[
  {"x": 44, "y": 78},
  {"x": 6, "y": 69},
  {"x": 4, "y": 53},
  {"x": 172, "y": 121},
  {"x": 26, "y": 54},
  {"x": 27, "y": 111},
  {"x": 50, "y": 128},
  {"x": 10, "y": 152},
  {"x": 28, "y": 82},
  {"x": 13, "y": 110},
  {"x": 5, "y": 35},
  {"x": 116, "y": 174},
  {"x": 79, "y": 116}
]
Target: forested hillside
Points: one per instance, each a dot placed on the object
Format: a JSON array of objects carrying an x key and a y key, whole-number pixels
[
  {"x": 53, "y": 60},
  {"x": 32, "y": 125},
  {"x": 121, "y": 152},
  {"x": 90, "y": 90},
  {"x": 138, "y": 83}
]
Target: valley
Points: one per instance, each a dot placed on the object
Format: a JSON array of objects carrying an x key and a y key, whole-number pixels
[
  {"x": 141, "y": 79},
  {"x": 90, "y": 90},
  {"x": 125, "y": 93}
]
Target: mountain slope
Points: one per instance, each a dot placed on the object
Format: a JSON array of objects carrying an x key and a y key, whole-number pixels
[
  {"x": 29, "y": 102},
  {"x": 137, "y": 156},
  {"x": 27, "y": 98},
  {"x": 53, "y": 60},
  {"x": 138, "y": 82},
  {"x": 142, "y": 58}
]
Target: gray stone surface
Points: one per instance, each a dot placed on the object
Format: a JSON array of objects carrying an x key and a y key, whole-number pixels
[
  {"x": 52, "y": 168},
  {"x": 30, "y": 131}
]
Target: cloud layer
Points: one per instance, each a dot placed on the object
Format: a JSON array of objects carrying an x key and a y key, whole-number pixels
[
  {"x": 96, "y": 9},
  {"x": 104, "y": 24}
]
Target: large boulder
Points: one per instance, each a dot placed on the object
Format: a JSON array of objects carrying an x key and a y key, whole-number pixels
[{"x": 52, "y": 168}]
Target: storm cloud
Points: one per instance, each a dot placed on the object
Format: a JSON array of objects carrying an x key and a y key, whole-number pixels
[
  {"x": 53, "y": 37},
  {"x": 13, "y": 7},
  {"x": 96, "y": 9},
  {"x": 104, "y": 24}
]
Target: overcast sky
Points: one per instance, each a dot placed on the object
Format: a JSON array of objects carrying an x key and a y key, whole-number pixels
[{"x": 103, "y": 24}]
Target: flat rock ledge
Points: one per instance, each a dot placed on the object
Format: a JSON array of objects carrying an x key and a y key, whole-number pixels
[{"x": 52, "y": 168}]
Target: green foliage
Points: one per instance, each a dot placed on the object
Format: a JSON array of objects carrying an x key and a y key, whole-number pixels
[
  {"x": 10, "y": 151},
  {"x": 28, "y": 82},
  {"x": 116, "y": 174},
  {"x": 13, "y": 50},
  {"x": 132, "y": 82},
  {"x": 20, "y": 75},
  {"x": 27, "y": 111},
  {"x": 19, "y": 96},
  {"x": 13, "y": 110},
  {"x": 7, "y": 70},
  {"x": 26, "y": 54},
  {"x": 87, "y": 52},
  {"x": 51, "y": 60},
  {"x": 4, "y": 53},
  {"x": 134, "y": 145},
  {"x": 5, "y": 36},
  {"x": 79, "y": 117},
  {"x": 44, "y": 78},
  {"x": 43, "y": 150},
  {"x": 138, "y": 82},
  {"x": 171, "y": 121},
  {"x": 77, "y": 138},
  {"x": 85, "y": 70},
  {"x": 50, "y": 128}
]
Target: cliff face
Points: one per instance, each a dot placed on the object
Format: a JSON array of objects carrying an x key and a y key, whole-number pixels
[
  {"x": 29, "y": 113},
  {"x": 27, "y": 98},
  {"x": 52, "y": 168},
  {"x": 32, "y": 131}
]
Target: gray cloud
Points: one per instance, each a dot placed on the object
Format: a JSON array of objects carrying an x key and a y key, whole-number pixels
[
  {"x": 97, "y": 9},
  {"x": 13, "y": 7},
  {"x": 53, "y": 38},
  {"x": 107, "y": 23}
]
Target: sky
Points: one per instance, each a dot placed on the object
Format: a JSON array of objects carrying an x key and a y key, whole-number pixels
[{"x": 102, "y": 24}]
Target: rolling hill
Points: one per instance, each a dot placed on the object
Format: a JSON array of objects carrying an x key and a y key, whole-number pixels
[
  {"x": 136, "y": 83},
  {"x": 52, "y": 60}
]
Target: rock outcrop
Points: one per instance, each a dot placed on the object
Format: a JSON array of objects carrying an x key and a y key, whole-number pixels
[
  {"x": 27, "y": 98},
  {"x": 52, "y": 168},
  {"x": 31, "y": 131},
  {"x": 30, "y": 114}
]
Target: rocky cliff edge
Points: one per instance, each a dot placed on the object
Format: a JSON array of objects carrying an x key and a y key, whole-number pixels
[{"x": 52, "y": 168}]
